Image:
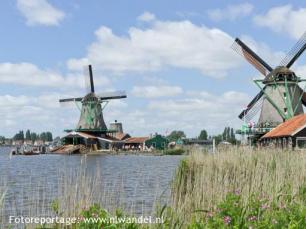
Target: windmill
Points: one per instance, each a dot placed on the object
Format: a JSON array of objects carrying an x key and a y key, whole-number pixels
[
  {"x": 91, "y": 118},
  {"x": 280, "y": 97}
]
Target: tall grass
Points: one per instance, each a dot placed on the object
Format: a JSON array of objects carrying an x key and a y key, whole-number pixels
[{"x": 203, "y": 180}]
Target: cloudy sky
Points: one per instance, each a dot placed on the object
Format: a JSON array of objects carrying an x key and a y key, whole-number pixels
[{"x": 173, "y": 58}]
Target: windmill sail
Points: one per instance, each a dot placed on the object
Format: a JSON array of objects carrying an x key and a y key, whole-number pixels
[
  {"x": 71, "y": 100},
  {"x": 112, "y": 95},
  {"x": 251, "y": 105},
  {"x": 89, "y": 82},
  {"x": 254, "y": 110},
  {"x": 295, "y": 52},
  {"x": 251, "y": 57}
]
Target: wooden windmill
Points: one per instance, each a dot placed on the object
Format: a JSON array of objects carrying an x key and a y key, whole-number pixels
[
  {"x": 92, "y": 105},
  {"x": 280, "y": 97}
]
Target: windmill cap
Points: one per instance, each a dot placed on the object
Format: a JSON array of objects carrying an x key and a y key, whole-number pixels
[{"x": 279, "y": 73}]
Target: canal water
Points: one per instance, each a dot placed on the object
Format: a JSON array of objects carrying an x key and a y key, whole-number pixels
[{"x": 135, "y": 183}]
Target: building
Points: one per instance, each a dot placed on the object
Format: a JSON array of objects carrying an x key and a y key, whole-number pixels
[
  {"x": 28, "y": 142},
  {"x": 8, "y": 142},
  {"x": 157, "y": 142},
  {"x": 17, "y": 142},
  {"x": 289, "y": 134},
  {"x": 121, "y": 136},
  {"x": 118, "y": 131},
  {"x": 135, "y": 143},
  {"x": 39, "y": 142},
  {"x": 116, "y": 126},
  {"x": 196, "y": 141},
  {"x": 92, "y": 141}
]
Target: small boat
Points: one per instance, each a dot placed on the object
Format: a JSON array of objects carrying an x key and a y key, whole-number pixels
[
  {"x": 13, "y": 152},
  {"x": 30, "y": 153}
]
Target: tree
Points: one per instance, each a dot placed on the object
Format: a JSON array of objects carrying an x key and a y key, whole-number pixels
[
  {"x": 33, "y": 136},
  {"x": 43, "y": 136},
  {"x": 2, "y": 139},
  {"x": 203, "y": 135},
  {"x": 232, "y": 137},
  {"x": 28, "y": 135},
  {"x": 49, "y": 137},
  {"x": 176, "y": 135},
  {"x": 227, "y": 135},
  {"x": 218, "y": 138},
  {"x": 19, "y": 136}
]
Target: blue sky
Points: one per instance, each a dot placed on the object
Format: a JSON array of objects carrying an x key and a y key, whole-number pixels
[{"x": 173, "y": 59}]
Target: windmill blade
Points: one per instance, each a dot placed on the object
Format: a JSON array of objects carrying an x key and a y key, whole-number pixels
[
  {"x": 112, "y": 95},
  {"x": 89, "y": 82},
  {"x": 243, "y": 50},
  {"x": 304, "y": 99},
  {"x": 71, "y": 100},
  {"x": 295, "y": 52},
  {"x": 251, "y": 105},
  {"x": 254, "y": 110}
]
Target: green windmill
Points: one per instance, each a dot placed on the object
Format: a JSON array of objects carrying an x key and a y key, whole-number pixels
[
  {"x": 92, "y": 105},
  {"x": 280, "y": 97}
]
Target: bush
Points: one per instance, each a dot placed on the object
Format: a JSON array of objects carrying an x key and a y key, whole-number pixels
[
  {"x": 257, "y": 213},
  {"x": 178, "y": 151}
]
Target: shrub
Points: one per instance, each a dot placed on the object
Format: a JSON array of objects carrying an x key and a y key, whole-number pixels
[{"x": 178, "y": 151}]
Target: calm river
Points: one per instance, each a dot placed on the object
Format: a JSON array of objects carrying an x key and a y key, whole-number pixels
[{"x": 132, "y": 182}]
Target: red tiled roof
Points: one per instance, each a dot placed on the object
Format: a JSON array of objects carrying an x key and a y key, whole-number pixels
[
  {"x": 139, "y": 140},
  {"x": 288, "y": 128},
  {"x": 121, "y": 136}
]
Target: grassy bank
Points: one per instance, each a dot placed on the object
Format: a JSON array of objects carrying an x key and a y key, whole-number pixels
[{"x": 239, "y": 187}]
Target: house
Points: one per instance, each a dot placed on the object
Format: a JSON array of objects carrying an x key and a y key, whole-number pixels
[
  {"x": 157, "y": 142},
  {"x": 38, "y": 142},
  {"x": 289, "y": 134},
  {"x": 8, "y": 142},
  {"x": 17, "y": 142},
  {"x": 28, "y": 142},
  {"x": 95, "y": 142},
  {"x": 196, "y": 141},
  {"x": 135, "y": 143},
  {"x": 121, "y": 136}
]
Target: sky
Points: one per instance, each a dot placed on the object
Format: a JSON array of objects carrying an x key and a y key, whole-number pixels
[{"x": 173, "y": 58}]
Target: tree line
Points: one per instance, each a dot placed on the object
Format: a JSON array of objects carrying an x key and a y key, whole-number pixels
[
  {"x": 227, "y": 135},
  {"x": 32, "y": 136}
]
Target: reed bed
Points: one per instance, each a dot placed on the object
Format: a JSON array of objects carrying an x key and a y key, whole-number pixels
[{"x": 203, "y": 180}]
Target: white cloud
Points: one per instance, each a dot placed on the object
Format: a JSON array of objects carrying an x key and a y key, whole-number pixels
[
  {"x": 38, "y": 113},
  {"x": 40, "y": 12},
  {"x": 231, "y": 12},
  {"x": 284, "y": 19},
  {"x": 44, "y": 112},
  {"x": 199, "y": 109},
  {"x": 146, "y": 17},
  {"x": 28, "y": 74},
  {"x": 156, "y": 91},
  {"x": 180, "y": 44}
]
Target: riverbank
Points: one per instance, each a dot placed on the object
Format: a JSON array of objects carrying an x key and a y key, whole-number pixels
[
  {"x": 174, "y": 152},
  {"x": 242, "y": 188}
]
